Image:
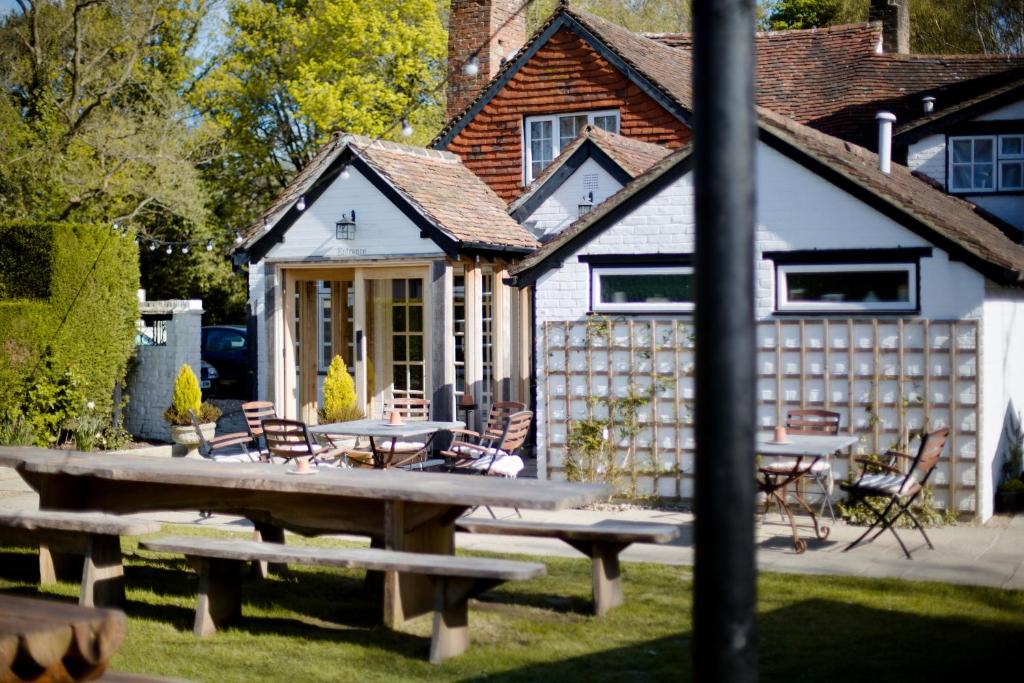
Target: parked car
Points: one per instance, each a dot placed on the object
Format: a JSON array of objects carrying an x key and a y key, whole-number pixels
[
  {"x": 225, "y": 347},
  {"x": 209, "y": 379}
]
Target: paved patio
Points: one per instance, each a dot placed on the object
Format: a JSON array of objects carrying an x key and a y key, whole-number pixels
[{"x": 983, "y": 555}]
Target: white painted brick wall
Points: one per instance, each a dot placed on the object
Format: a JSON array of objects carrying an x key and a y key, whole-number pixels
[
  {"x": 796, "y": 210},
  {"x": 152, "y": 383}
]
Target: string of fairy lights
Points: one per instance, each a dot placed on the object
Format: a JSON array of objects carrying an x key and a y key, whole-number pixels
[{"x": 470, "y": 67}]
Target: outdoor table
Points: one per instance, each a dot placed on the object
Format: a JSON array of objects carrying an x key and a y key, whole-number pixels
[
  {"x": 44, "y": 640},
  {"x": 802, "y": 452},
  {"x": 383, "y": 430},
  {"x": 411, "y": 511}
]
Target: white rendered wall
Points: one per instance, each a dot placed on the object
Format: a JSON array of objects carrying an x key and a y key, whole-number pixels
[
  {"x": 559, "y": 210},
  {"x": 797, "y": 210},
  {"x": 259, "y": 306},
  {"x": 1002, "y": 379}
]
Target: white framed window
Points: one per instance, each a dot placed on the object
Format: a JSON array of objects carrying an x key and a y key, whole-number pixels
[
  {"x": 986, "y": 163},
  {"x": 847, "y": 287},
  {"x": 641, "y": 289},
  {"x": 546, "y": 136}
]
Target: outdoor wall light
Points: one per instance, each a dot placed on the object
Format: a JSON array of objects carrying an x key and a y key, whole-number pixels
[
  {"x": 345, "y": 229},
  {"x": 586, "y": 203}
]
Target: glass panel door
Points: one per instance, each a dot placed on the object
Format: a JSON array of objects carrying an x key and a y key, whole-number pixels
[{"x": 407, "y": 353}]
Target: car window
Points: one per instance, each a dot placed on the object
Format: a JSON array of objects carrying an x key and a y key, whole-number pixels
[{"x": 224, "y": 341}]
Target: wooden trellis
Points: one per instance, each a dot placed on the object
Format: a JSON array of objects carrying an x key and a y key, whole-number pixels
[{"x": 887, "y": 378}]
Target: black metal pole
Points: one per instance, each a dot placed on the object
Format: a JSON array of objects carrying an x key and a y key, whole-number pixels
[{"x": 725, "y": 592}]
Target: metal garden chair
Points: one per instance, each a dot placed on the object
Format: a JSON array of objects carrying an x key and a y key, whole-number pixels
[
  {"x": 819, "y": 422},
  {"x": 900, "y": 489}
]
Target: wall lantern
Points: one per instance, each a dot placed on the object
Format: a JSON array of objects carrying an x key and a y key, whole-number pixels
[
  {"x": 586, "y": 203},
  {"x": 345, "y": 229}
]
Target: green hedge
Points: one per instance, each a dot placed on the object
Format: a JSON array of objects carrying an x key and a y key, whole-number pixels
[{"x": 67, "y": 305}]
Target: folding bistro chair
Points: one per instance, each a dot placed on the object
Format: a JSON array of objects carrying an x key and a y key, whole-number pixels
[
  {"x": 495, "y": 452},
  {"x": 899, "y": 488},
  {"x": 290, "y": 439},
  {"x": 812, "y": 421},
  {"x": 226, "y": 447}
]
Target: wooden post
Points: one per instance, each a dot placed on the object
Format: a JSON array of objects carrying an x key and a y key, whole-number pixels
[
  {"x": 523, "y": 362},
  {"x": 220, "y": 594},
  {"x": 501, "y": 333},
  {"x": 359, "y": 330},
  {"x": 308, "y": 361},
  {"x": 102, "y": 573},
  {"x": 287, "y": 404},
  {"x": 473, "y": 339},
  {"x": 441, "y": 341},
  {"x": 339, "y": 322}
]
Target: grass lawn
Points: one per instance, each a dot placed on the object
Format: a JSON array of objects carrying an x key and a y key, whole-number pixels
[{"x": 318, "y": 625}]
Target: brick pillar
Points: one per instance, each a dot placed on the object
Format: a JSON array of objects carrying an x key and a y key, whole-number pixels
[
  {"x": 895, "y": 18},
  {"x": 479, "y": 26}
]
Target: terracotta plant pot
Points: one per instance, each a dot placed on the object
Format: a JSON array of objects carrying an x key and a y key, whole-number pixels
[{"x": 185, "y": 435}]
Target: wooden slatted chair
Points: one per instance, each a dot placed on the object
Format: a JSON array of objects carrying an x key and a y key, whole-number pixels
[
  {"x": 495, "y": 452},
  {"x": 405, "y": 452},
  {"x": 812, "y": 421},
  {"x": 290, "y": 439},
  {"x": 900, "y": 488},
  {"x": 255, "y": 412}
]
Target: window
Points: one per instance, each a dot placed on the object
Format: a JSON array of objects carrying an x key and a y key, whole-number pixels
[
  {"x": 547, "y": 136},
  {"x": 986, "y": 163},
  {"x": 407, "y": 338},
  {"x": 847, "y": 287},
  {"x": 649, "y": 288}
]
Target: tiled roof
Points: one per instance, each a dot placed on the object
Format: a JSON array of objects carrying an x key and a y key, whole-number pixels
[
  {"x": 835, "y": 80},
  {"x": 633, "y": 156},
  {"x": 949, "y": 222},
  {"x": 436, "y": 183},
  {"x": 984, "y": 102}
]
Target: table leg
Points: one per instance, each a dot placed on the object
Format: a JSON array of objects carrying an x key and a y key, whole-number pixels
[
  {"x": 409, "y": 595},
  {"x": 268, "y": 533},
  {"x": 59, "y": 492}
]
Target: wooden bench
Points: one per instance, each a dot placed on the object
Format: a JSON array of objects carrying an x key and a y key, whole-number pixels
[
  {"x": 94, "y": 535},
  {"x": 601, "y": 542},
  {"x": 455, "y": 580}
]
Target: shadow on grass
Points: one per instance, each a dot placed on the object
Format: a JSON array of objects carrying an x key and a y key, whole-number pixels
[{"x": 813, "y": 640}]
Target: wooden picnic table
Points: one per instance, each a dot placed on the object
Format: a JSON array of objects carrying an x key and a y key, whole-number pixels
[
  {"x": 411, "y": 511},
  {"x": 388, "y": 433},
  {"x": 43, "y": 640}
]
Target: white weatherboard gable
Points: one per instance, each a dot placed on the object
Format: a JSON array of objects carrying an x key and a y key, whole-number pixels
[
  {"x": 1011, "y": 112},
  {"x": 560, "y": 209},
  {"x": 381, "y": 228}
]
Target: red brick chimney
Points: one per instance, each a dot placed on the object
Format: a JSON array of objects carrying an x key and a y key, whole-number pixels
[
  {"x": 895, "y": 18},
  {"x": 491, "y": 30}
]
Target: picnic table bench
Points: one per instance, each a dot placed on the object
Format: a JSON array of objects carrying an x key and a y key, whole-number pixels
[
  {"x": 455, "y": 579},
  {"x": 601, "y": 542},
  {"x": 93, "y": 535}
]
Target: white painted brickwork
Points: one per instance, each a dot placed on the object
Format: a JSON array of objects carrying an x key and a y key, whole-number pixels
[
  {"x": 797, "y": 210},
  {"x": 152, "y": 383}
]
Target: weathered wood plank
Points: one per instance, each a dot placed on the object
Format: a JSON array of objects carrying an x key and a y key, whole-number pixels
[
  {"x": 86, "y": 522},
  {"x": 611, "y": 531},
  {"x": 351, "y": 558}
]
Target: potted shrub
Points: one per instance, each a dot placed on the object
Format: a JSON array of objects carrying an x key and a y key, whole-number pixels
[
  {"x": 339, "y": 395},
  {"x": 187, "y": 396}
]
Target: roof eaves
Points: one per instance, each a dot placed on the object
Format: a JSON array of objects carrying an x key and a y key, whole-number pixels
[{"x": 963, "y": 111}]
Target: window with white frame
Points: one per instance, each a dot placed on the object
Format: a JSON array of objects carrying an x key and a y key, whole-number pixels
[
  {"x": 847, "y": 287},
  {"x": 547, "y": 136},
  {"x": 986, "y": 163},
  {"x": 639, "y": 289}
]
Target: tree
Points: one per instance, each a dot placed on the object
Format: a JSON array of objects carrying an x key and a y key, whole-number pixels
[
  {"x": 293, "y": 71},
  {"x": 658, "y": 16},
  {"x": 796, "y": 14},
  {"x": 95, "y": 127}
]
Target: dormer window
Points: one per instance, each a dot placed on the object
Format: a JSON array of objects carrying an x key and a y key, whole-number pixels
[
  {"x": 547, "y": 136},
  {"x": 986, "y": 163}
]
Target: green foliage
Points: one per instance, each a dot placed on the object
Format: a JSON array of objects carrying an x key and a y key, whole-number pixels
[
  {"x": 589, "y": 456},
  {"x": 25, "y": 262},
  {"x": 665, "y": 16},
  {"x": 88, "y": 427},
  {"x": 1012, "y": 485},
  {"x": 17, "y": 431},
  {"x": 187, "y": 396},
  {"x": 77, "y": 341},
  {"x": 339, "y": 394},
  {"x": 795, "y": 14}
]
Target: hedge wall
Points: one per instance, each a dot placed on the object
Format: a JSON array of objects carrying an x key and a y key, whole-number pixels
[{"x": 67, "y": 302}]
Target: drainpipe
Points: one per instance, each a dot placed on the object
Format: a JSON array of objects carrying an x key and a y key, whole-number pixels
[{"x": 885, "y": 120}]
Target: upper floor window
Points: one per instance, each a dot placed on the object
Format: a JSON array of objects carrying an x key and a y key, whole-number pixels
[
  {"x": 847, "y": 287},
  {"x": 547, "y": 136},
  {"x": 986, "y": 163}
]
